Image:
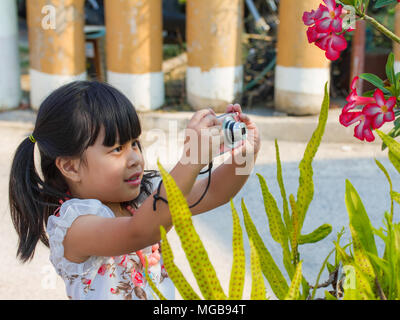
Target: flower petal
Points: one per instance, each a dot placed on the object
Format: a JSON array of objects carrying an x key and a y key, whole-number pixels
[
  {"x": 354, "y": 82},
  {"x": 324, "y": 25},
  {"x": 379, "y": 97},
  {"x": 372, "y": 110},
  {"x": 338, "y": 43},
  {"x": 332, "y": 54},
  {"x": 309, "y": 18},
  {"x": 349, "y": 106},
  {"x": 378, "y": 121},
  {"x": 337, "y": 25},
  {"x": 368, "y": 135},
  {"x": 359, "y": 132},
  {"x": 391, "y": 102},
  {"x": 389, "y": 116},
  {"x": 331, "y": 4},
  {"x": 348, "y": 118}
]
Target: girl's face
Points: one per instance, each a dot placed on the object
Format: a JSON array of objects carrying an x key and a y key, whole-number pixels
[{"x": 112, "y": 174}]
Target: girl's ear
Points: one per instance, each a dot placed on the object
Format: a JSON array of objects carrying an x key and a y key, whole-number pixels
[{"x": 69, "y": 168}]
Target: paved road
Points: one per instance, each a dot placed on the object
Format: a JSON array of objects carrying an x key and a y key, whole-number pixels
[{"x": 333, "y": 164}]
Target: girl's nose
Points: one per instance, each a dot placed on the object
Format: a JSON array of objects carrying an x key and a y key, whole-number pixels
[{"x": 134, "y": 158}]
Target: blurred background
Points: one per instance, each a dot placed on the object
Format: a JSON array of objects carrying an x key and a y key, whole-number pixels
[{"x": 186, "y": 72}]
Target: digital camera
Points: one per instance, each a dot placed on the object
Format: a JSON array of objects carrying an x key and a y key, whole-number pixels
[{"x": 234, "y": 131}]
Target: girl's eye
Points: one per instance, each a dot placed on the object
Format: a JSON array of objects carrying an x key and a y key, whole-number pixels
[
  {"x": 117, "y": 149},
  {"x": 135, "y": 144}
]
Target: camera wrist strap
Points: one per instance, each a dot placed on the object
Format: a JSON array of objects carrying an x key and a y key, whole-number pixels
[{"x": 157, "y": 196}]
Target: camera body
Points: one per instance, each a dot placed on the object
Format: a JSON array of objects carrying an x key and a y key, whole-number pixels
[{"x": 235, "y": 132}]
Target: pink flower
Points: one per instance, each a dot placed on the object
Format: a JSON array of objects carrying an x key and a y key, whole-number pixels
[
  {"x": 309, "y": 18},
  {"x": 330, "y": 20},
  {"x": 326, "y": 28},
  {"x": 332, "y": 44},
  {"x": 363, "y": 130},
  {"x": 354, "y": 99},
  {"x": 313, "y": 35},
  {"x": 381, "y": 111}
]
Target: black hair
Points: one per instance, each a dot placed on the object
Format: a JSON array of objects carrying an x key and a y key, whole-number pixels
[{"x": 68, "y": 122}]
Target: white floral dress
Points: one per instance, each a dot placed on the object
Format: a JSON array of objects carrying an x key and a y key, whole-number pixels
[{"x": 104, "y": 278}]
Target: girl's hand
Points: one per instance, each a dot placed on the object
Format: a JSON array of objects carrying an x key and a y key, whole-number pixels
[
  {"x": 252, "y": 143},
  {"x": 203, "y": 137}
]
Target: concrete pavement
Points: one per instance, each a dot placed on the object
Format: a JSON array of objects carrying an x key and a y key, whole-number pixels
[{"x": 340, "y": 156}]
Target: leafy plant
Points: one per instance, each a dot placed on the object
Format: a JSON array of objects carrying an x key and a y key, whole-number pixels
[
  {"x": 285, "y": 229},
  {"x": 369, "y": 276}
]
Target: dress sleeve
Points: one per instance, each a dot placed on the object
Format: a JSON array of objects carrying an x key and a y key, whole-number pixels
[{"x": 57, "y": 227}]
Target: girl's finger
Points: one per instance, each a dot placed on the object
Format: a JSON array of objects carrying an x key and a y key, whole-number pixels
[
  {"x": 237, "y": 108},
  {"x": 244, "y": 118},
  {"x": 229, "y": 108}
]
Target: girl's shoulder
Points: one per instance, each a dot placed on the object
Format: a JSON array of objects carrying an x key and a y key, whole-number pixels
[{"x": 73, "y": 208}]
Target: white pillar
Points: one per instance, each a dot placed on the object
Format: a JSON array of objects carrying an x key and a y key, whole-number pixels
[
  {"x": 56, "y": 45},
  {"x": 215, "y": 71},
  {"x": 134, "y": 51},
  {"x": 10, "y": 87}
]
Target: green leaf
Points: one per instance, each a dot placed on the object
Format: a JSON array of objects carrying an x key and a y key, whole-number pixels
[
  {"x": 236, "y": 283},
  {"x": 395, "y": 161},
  {"x": 347, "y": 2},
  {"x": 359, "y": 219},
  {"x": 383, "y": 3},
  {"x": 390, "y": 69},
  {"x": 294, "y": 289},
  {"x": 380, "y": 165},
  {"x": 317, "y": 235},
  {"x": 295, "y": 228},
  {"x": 268, "y": 266},
  {"x": 176, "y": 276},
  {"x": 194, "y": 249},
  {"x": 258, "y": 291},
  {"x": 329, "y": 296},
  {"x": 305, "y": 192},
  {"x": 276, "y": 227},
  {"x": 375, "y": 80},
  {"x": 286, "y": 216}
]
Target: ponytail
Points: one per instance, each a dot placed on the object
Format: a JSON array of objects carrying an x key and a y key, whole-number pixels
[{"x": 28, "y": 208}]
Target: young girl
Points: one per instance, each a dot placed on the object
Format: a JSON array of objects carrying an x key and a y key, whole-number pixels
[{"x": 93, "y": 205}]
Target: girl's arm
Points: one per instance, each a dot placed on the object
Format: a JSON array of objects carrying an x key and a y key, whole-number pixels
[
  {"x": 91, "y": 235},
  {"x": 225, "y": 184}
]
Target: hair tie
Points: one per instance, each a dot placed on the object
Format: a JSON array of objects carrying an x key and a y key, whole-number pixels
[{"x": 32, "y": 139}]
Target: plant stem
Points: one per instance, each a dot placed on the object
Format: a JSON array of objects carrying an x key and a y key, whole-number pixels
[{"x": 379, "y": 27}]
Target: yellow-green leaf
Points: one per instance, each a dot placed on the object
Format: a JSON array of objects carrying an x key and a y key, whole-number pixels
[
  {"x": 317, "y": 235},
  {"x": 359, "y": 219},
  {"x": 151, "y": 283},
  {"x": 394, "y": 160},
  {"x": 305, "y": 192},
  {"x": 194, "y": 249},
  {"x": 276, "y": 227},
  {"x": 258, "y": 291},
  {"x": 294, "y": 289},
  {"x": 236, "y": 283},
  {"x": 391, "y": 143},
  {"x": 295, "y": 226},
  {"x": 268, "y": 266},
  {"x": 176, "y": 276},
  {"x": 286, "y": 215},
  {"x": 361, "y": 259}
]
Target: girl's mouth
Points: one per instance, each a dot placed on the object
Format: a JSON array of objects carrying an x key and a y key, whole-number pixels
[{"x": 134, "y": 182}]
